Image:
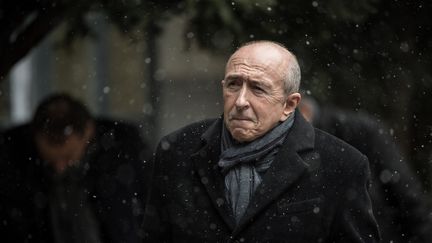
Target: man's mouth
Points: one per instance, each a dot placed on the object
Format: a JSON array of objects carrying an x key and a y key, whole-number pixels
[{"x": 240, "y": 118}]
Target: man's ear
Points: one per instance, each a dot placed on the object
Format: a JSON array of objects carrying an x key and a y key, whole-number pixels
[
  {"x": 291, "y": 104},
  {"x": 223, "y": 82}
]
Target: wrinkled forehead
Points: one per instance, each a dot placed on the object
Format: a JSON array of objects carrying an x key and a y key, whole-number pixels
[
  {"x": 264, "y": 55},
  {"x": 263, "y": 58}
]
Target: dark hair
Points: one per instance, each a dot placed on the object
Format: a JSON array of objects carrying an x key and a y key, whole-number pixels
[{"x": 58, "y": 116}]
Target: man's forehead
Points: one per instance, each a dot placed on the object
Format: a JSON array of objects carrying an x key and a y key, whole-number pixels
[
  {"x": 254, "y": 65},
  {"x": 253, "y": 61},
  {"x": 251, "y": 67},
  {"x": 259, "y": 54}
]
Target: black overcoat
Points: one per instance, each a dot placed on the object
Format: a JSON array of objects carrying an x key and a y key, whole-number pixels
[{"x": 316, "y": 190}]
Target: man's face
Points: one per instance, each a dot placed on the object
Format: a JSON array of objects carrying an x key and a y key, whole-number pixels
[
  {"x": 64, "y": 155},
  {"x": 253, "y": 92}
]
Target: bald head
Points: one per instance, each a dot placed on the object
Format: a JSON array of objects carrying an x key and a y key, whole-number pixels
[{"x": 275, "y": 56}]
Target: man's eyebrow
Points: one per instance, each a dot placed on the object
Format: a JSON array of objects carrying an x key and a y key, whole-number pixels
[
  {"x": 232, "y": 76},
  {"x": 260, "y": 83}
]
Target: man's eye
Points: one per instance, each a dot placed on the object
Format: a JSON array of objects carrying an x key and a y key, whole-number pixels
[
  {"x": 258, "y": 89},
  {"x": 233, "y": 83}
]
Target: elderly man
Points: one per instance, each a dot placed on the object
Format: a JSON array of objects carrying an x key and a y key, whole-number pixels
[{"x": 260, "y": 173}]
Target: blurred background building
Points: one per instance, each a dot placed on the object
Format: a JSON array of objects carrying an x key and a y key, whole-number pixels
[{"x": 112, "y": 75}]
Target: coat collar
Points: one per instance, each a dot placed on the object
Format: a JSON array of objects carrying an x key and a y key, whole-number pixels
[
  {"x": 206, "y": 162},
  {"x": 287, "y": 167}
]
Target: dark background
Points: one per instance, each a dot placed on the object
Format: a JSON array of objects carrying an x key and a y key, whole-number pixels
[{"x": 366, "y": 55}]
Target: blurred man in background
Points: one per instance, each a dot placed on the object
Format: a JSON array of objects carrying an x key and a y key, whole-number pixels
[
  {"x": 396, "y": 193},
  {"x": 67, "y": 177}
]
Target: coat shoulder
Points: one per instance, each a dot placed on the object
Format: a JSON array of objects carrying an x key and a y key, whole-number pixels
[
  {"x": 328, "y": 141},
  {"x": 338, "y": 152}
]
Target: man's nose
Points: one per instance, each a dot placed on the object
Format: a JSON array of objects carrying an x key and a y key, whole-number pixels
[{"x": 242, "y": 101}]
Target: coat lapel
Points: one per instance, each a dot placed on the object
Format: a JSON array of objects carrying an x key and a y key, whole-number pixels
[
  {"x": 287, "y": 167},
  {"x": 206, "y": 163}
]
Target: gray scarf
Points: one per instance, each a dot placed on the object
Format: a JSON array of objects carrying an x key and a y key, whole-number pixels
[{"x": 244, "y": 163}]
